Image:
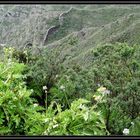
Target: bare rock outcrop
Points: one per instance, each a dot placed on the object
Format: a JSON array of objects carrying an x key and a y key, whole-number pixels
[
  {"x": 50, "y": 31},
  {"x": 53, "y": 29}
]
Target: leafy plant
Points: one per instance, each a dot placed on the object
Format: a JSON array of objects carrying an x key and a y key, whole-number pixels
[
  {"x": 117, "y": 68},
  {"x": 135, "y": 127},
  {"x": 15, "y": 101},
  {"x": 78, "y": 120}
]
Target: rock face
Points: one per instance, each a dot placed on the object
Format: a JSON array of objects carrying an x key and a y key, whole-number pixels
[
  {"x": 53, "y": 29},
  {"x": 62, "y": 15},
  {"x": 50, "y": 31},
  {"x": 42, "y": 24}
]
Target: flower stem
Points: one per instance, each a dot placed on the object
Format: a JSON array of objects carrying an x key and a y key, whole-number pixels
[{"x": 46, "y": 101}]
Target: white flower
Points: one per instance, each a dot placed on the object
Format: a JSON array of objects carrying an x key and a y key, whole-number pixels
[
  {"x": 44, "y": 87},
  {"x": 106, "y": 92},
  {"x": 81, "y": 106},
  {"x": 98, "y": 84},
  {"x": 56, "y": 76},
  {"x": 10, "y": 61},
  {"x": 54, "y": 126},
  {"x": 46, "y": 120},
  {"x": 62, "y": 87},
  {"x": 97, "y": 98},
  {"x": 132, "y": 123},
  {"x": 103, "y": 90},
  {"x": 86, "y": 116},
  {"x": 126, "y": 131},
  {"x": 32, "y": 90},
  {"x": 35, "y": 105},
  {"x": 45, "y": 133}
]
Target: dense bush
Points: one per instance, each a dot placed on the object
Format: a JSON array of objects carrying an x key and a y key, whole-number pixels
[
  {"x": 117, "y": 68},
  {"x": 101, "y": 100},
  {"x": 42, "y": 72},
  {"x": 135, "y": 127},
  {"x": 72, "y": 85},
  {"x": 15, "y": 101},
  {"x": 78, "y": 120},
  {"x": 21, "y": 115}
]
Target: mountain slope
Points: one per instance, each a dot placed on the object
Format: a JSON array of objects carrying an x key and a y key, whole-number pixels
[
  {"x": 77, "y": 47},
  {"x": 71, "y": 30},
  {"x": 21, "y": 25}
]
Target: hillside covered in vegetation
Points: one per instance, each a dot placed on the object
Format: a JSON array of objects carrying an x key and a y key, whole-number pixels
[{"x": 70, "y": 70}]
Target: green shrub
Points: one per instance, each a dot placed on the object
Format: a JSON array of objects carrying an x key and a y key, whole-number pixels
[
  {"x": 15, "y": 101},
  {"x": 71, "y": 85},
  {"x": 114, "y": 74},
  {"x": 135, "y": 127},
  {"x": 117, "y": 68},
  {"x": 78, "y": 120}
]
